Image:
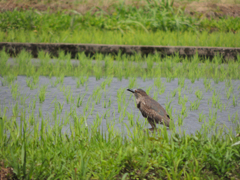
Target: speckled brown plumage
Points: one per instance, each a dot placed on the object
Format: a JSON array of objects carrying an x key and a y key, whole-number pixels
[{"x": 150, "y": 109}]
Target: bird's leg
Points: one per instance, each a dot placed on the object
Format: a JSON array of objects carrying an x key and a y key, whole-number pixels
[
  {"x": 152, "y": 123},
  {"x": 151, "y": 129}
]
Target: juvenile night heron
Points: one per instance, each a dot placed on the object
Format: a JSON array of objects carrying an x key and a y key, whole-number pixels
[{"x": 150, "y": 109}]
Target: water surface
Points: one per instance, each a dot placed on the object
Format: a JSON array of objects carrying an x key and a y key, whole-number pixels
[{"x": 56, "y": 94}]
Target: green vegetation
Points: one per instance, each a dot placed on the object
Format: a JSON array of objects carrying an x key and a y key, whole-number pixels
[
  {"x": 109, "y": 65},
  {"x": 137, "y": 37},
  {"x": 150, "y": 16},
  {"x": 147, "y": 23},
  {"x": 37, "y": 148}
]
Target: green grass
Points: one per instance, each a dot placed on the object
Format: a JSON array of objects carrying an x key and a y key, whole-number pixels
[
  {"x": 139, "y": 37},
  {"x": 50, "y": 154},
  {"x": 36, "y": 147},
  {"x": 149, "y": 17},
  {"x": 152, "y": 16}
]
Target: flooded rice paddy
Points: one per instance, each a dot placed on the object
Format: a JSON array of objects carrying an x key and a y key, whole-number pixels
[
  {"x": 106, "y": 102},
  {"x": 74, "y": 119}
]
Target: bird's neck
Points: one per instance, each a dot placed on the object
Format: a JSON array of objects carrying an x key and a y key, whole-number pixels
[{"x": 138, "y": 102}]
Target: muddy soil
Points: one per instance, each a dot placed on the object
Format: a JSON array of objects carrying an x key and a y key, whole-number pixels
[
  {"x": 214, "y": 10},
  {"x": 6, "y": 173}
]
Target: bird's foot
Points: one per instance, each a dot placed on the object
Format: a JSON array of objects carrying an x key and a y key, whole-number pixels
[{"x": 150, "y": 130}]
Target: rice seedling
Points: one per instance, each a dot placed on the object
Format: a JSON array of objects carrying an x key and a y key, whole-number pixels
[
  {"x": 229, "y": 92},
  {"x": 104, "y": 104},
  {"x": 96, "y": 92},
  {"x": 120, "y": 99},
  {"x": 184, "y": 111},
  {"x": 9, "y": 79},
  {"x": 80, "y": 100},
  {"x": 42, "y": 93},
  {"x": 40, "y": 114},
  {"x": 132, "y": 82},
  {"x": 207, "y": 84},
  {"x": 202, "y": 117},
  {"x": 236, "y": 119},
  {"x": 158, "y": 82},
  {"x": 198, "y": 94},
  {"x": 14, "y": 90},
  {"x": 61, "y": 78},
  {"x": 81, "y": 81},
  {"x": 69, "y": 97},
  {"x": 181, "y": 82},
  {"x": 194, "y": 105},
  {"x": 234, "y": 101},
  {"x": 212, "y": 117},
  {"x": 86, "y": 106},
  {"x": 168, "y": 108},
  {"x": 32, "y": 82},
  {"x": 15, "y": 110},
  {"x": 136, "y": 37},
  {"x": 174, "y": 93},
  {"x": 155, "y": 95},
  {"x": 33, "y": 103},
  {"x": 148, "y": 89},
  {"x": 216, "y": 102},
  {"x": 104, "y": 84},
  {"x": 109, "y": 102},
  {"x": 98, "y": 99}
]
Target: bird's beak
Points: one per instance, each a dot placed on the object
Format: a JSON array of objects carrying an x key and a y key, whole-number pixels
[{"x": 131, "y": 90}]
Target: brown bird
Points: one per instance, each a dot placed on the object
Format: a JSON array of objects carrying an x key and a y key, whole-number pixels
[{"x": 150, "y": 109}]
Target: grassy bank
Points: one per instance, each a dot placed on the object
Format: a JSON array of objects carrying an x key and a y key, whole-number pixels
[
  {"x": 152, "y": 16},
  {"x": 123, "y": 17},
  {"x": 36, "y": 147},
  {"x": 138, "y": 37},
  {"x": 133, "y": 23}
]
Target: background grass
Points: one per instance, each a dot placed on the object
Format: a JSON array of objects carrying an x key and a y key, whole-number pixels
[
  {"x": 153, "y": 16},
  {"x": 138, "y": 37},
  {"x": 149, "y": 17}
]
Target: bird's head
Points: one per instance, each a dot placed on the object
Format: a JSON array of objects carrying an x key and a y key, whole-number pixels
[{"x": 138, "y": 92}]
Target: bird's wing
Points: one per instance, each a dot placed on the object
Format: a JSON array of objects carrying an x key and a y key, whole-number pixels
[
  {"x": 154, "y": 105},
  {"x": 150, "y": 113},
  {"x": 153, "y": 110}
]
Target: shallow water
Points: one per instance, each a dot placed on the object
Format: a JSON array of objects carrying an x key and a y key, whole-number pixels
[{"x": 55, "y": 94}]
